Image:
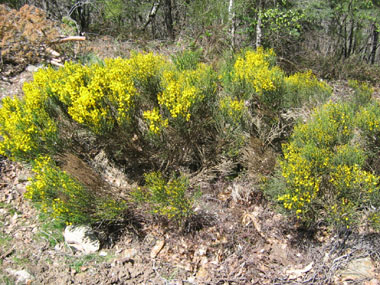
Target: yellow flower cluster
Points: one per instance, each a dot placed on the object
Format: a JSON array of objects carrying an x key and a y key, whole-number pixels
[
  {"x": 369, "y": 119},
  {"x": 66, "y": 199},
  {"x": 331, "y": 124},
  {"x": 232, "y": 108},
  {"x": 98, "y": 96},
  {"x": 156, "y": 123},
  {"x": 305, "y": 81},
  {"x": 304, "y": 87},
  {"x": 26, "y": 129},
  {"x": 353, "y": 178},
  {"x": 298, "y": 173},
  {"x": 183, "y": 90},
  {"x": 58, "y": 194},
  {"x": 254, "y": 68},
  {"x": 146, "y": 66}
]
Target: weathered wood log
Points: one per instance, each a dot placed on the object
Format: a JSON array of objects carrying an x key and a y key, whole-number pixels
[{"x": 69, "y": 39}]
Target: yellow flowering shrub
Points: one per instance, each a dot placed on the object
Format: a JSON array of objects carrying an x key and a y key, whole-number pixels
[
  {"x": 362, "y": 92},
  {"x": 156, "y": 122},
  {"x": 100, "y": 96},
  {"x": 258, "y": 76},
  {"x": 183, "y": 91},
  {"x": 166, "y": 197},
  {"x": 324, "y": 169},
  {"x": 369, "y": 121},
  {"x": 304, "y": 87},
  {"x": 259, "y": 79},
  {"x": 26, "y": 129},
  {"x": 65, "y": 199}
]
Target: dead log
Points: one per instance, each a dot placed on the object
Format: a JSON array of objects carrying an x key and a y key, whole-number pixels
[{"x": 69, "y": 39}]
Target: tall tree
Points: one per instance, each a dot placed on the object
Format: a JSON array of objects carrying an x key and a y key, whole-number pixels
[{"x": 169, "y": 19}]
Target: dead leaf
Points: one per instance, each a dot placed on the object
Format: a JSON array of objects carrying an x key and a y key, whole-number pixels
[{"x": 157, "y": 248}]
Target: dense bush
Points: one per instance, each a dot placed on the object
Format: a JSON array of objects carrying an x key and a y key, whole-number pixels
[
  {"x": 327, "y": 173},
  {"x": 148, "y": 114},
  {"x": 142, "y": 107}
]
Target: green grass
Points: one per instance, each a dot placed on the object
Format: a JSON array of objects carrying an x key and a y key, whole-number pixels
[
  {"x": 77, "y": 262},
  {"x": 50, "y": 230},
  {"x": 9, "y": 208},
  {"x": 5, "y": 244}
]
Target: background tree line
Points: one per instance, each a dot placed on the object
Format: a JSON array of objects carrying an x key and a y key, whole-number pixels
[{"x": 338, "y": 29}]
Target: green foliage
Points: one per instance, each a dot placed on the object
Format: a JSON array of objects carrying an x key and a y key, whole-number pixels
[
  {"x": 324, "y": 169},
  {"x": 69, "y": 26},
  {"x": 66, "y": 200},
  {"x": 187, "y": 59},
  {"x": 166, "y": 198},
  {"x": 284, "y": 22},
  {"x": 362, "y": 92},
  {"x": 50, "y": 229},
  {"x": 77, "y": 262},
  {"x": 303, "y": 88}
]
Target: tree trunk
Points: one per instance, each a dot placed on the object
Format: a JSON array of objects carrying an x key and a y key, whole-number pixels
[
  {"x": 232, "y": 23},
  {"x": 375, "y": 41},
  {"x": 169, "y": 19},
  {"x": 258, "y": 25},
  {"x": 351, "y": 39},
  {"x": 152, "y": 14}
]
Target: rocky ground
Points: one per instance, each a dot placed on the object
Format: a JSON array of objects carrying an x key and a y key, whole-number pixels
[
  {"x": 234, "y": 239},
  {"x": 237, "y": 244}
]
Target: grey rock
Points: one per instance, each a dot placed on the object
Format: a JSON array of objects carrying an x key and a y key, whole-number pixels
[
  {"x": 358, "y": 269},
  {"x": 22, "y": 276},
  {"x": 33, "y": 68},
  {"x": 82, "y": 238}
]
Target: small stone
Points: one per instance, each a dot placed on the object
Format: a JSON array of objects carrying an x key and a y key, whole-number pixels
[
  {"x": 358, "y": 269},
  {"x": 203, "y": 272},
  {"x": 372, "y": 282},
  {"x": 32, "y": 68},
  {"x": 82, "y": 238},
  {"x": 23, "y": 177},
  {"x": 128, "y": 254},
  {"x": 103, "y": 253},
  {"x": 22, "y": 276},
  {"x": 157, "y": 248}
]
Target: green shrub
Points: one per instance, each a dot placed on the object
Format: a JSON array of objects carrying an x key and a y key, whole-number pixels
[
  {"x": 304, "y": 88},
  {"x": 187, "y": 59},
  {"x": 267, "y": 92},
  {"x": 65, "y": 199},
  {"x": 362, "y": 92},
  {"x": 325, "y": 169},
  {"x": 166, "y": 198}
]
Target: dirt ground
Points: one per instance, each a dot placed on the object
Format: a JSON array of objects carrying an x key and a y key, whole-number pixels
[
  {"x": 232, "y": 241},
  {"x": 237, "y": 244}
]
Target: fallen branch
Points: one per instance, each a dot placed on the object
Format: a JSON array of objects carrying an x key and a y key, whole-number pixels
[
  {"x": 54, "y": 62},
  {"x": 8, "y": 253},
  {"x": 69, "y": 39}
]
